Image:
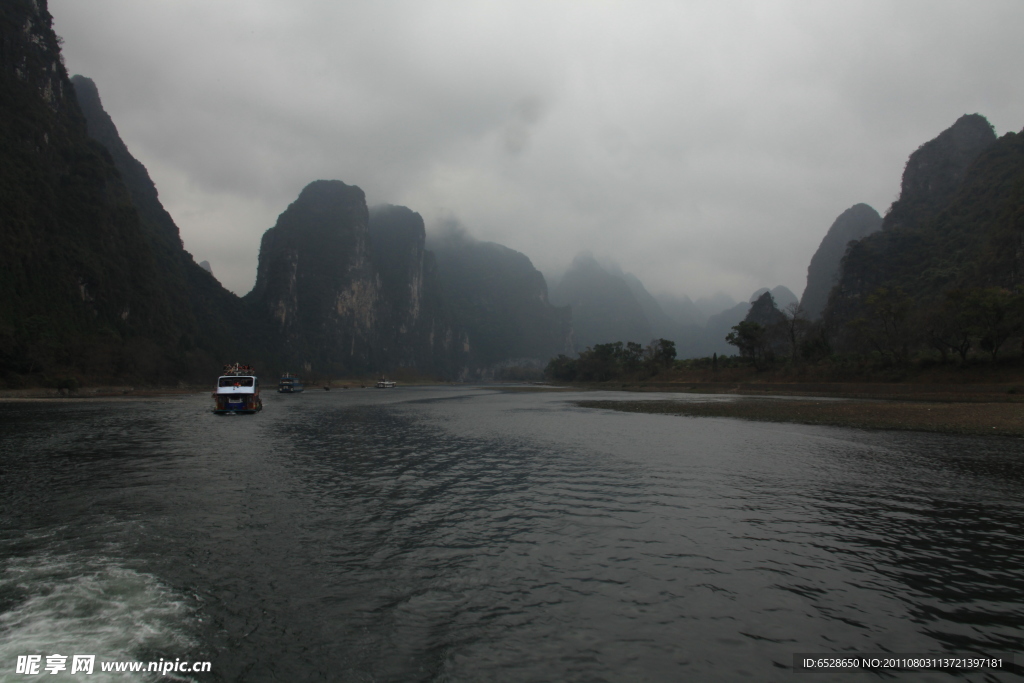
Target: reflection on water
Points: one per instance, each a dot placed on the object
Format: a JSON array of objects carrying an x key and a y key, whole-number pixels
[{"x": 465, "y": 534}]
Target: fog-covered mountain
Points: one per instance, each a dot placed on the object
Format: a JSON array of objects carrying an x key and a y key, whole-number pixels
[
  {"x": 501, "y": 302},
  {"x": 604, "y": 308},
  {"x": 682, "y": 310},
  {"x": 609, "y": 305},
  {"x": 782, "y": 296},
  {"x": 662, "y": 325},
  {"x": 714, "y": 304}
]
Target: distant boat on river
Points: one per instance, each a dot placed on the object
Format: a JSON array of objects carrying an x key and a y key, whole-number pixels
[{"x": 289, "y": 384}]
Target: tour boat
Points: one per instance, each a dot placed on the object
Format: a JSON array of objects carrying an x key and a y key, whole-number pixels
[
  {"x": 289, "y": 384},
  {"x": 238, "y": 391}
]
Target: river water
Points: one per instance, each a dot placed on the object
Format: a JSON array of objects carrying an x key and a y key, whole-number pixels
[{"x": 467, "y": 534}]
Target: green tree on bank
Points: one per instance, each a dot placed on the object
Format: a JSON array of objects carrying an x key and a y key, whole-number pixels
[
  {"x": 752, "y": 341},
  {"x": 892, "y": 330},
  {"x": 603, "y": 362}
]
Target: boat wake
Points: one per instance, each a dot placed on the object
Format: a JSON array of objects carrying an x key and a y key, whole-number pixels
[{"x": 70, "y": 605}]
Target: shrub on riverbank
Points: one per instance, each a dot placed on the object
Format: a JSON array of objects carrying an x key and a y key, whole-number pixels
[{"x": 924, "y": 367}]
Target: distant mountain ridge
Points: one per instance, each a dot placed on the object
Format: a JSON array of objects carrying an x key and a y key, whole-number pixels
[
  {"x": 683, "y": 311},
  {"x": 662, "y": 326},
  {"x": 781, "y": 295},
  {"x": 604, "y": 308},
  {"x": 609, "y": 305}
]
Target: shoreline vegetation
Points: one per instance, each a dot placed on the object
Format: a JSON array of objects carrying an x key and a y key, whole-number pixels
[{"x": 921, "y": 393}]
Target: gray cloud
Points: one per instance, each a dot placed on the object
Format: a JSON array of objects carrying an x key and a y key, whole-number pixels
[{"x": 702, "y": 146}]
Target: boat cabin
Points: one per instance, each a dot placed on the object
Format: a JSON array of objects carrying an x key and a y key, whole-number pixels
[{"x": 237, "y": 393}]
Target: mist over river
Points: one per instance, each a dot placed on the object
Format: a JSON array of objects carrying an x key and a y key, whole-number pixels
[{"x": 468, "y": 534}]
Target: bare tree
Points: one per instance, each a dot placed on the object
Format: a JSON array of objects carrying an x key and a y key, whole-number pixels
[{"x": 796, "y": 327}]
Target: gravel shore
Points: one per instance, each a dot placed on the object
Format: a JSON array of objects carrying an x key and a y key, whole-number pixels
[{"x": 951, "y": 417}]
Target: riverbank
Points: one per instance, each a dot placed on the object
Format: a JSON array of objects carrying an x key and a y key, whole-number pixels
[
  {"x": 104, "y": 392},
  {"x": 979, "y": 417},
  {"x": 920, "y": 391}
]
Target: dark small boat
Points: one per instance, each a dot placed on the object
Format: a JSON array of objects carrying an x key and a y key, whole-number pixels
[{"x": 289, "y": 384}]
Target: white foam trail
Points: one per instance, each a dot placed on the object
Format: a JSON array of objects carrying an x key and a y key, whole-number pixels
[{"x": 69, "y": 605}]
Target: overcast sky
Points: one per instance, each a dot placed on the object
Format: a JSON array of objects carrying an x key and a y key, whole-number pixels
[{"x": 704, "y": 146}]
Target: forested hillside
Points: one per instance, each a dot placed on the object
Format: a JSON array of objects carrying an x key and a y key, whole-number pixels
[{"x": 945, "y": 271}]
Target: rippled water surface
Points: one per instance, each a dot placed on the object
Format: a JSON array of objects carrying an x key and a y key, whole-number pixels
[{"x": 470, "y": 535}]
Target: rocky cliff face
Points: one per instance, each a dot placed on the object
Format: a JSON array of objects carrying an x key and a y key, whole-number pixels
[
  {"x": 853, "y": 224},
  {"x": 501, "y": 301},
  {"x": 316, "y": 281},
  {"x": 346, "y": 299},
  {"x": 417, "y": 326},
  {"x": 210, "y": 314},
  {"x": 164, "y": 234},
  {"x": 81, "y": 292}
]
